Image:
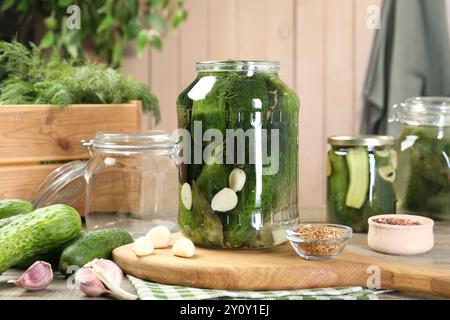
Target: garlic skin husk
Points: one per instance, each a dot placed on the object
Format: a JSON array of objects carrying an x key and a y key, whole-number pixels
[
  {"x": 110, "y": 268},
  {"x": 160, "y": 237},
  {"x": 183, "y": 247},
  {"x": 143, "y": 246},
  {"x": 114, "y": 289},
  {"x": 37, "y": 277},
  {"x": 237, "y": 179},
  {"x": 224, "y": 200},
  {"x": 87, "y": 281}
]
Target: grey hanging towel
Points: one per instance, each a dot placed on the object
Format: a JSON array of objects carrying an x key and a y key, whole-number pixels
[{"x": 410, "y": 57}]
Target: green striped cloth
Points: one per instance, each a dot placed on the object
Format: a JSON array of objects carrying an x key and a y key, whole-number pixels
[{"x": 154, "y": 291}]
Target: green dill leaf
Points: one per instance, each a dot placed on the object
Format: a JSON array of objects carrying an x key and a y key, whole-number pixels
[{"x": 30, "y": 78}]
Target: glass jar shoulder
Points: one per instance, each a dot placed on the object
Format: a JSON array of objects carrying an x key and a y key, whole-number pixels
[
  {"x": 244, "y": 91},
  {"x": 426, "y": 142}
]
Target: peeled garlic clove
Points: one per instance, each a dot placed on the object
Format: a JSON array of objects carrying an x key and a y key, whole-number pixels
[
  {"x": 186, "y": 195},
  {"x": 160, "y": 237},
  {"x": 183, "y": 247},
  {"x": 279, "y": 236},
  {"x": 37, "y": 277},
  {"x": 88, "y": 282},
  {"x": 237, "y": 179},
  {"x": 143, "y": 246},
  {"x": 113, "y": 270},
  {"x": 224, "y": 200}
]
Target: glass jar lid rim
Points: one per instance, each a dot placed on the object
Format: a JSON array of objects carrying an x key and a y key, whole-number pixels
[
  {"x": 136, "y": 141},
  {"x": 432, "y": 111},
  {"x": 439, "y": 102},
  {"x": 362, "y": 140},
  {"x": 237, "y": 65}
]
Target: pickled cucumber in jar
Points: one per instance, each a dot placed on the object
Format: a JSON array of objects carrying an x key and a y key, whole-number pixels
[
  {"x": 423, "y": 184},
  {"x": 361, "y": 171}
]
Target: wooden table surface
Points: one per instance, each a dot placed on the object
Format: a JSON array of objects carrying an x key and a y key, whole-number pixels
[{"x": 439, "y": 257}]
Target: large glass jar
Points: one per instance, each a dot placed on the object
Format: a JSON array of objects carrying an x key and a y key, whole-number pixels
[
  {"x": 361, "y": 171},
  {"x": 127, "y": 183},
  {"x": 240, "y": 192},
  {"x": 423, "y": 184}
]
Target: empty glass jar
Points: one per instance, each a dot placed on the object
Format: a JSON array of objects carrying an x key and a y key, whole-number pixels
[{"x": 129, "y": 182}]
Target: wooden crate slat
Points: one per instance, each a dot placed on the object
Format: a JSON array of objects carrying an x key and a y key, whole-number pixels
[
  {"x": 34, "y": 133},
  {"x": 20, "y": 181}
]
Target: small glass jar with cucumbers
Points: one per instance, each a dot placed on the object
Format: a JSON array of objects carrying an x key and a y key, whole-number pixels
[{"x": 361, "y": 171}]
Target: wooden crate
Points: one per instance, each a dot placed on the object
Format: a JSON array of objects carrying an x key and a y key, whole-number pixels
[{"x": 32, "y": 135}]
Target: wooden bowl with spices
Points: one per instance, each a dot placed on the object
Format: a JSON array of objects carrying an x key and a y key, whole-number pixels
[{"x": 400, "y": 234}]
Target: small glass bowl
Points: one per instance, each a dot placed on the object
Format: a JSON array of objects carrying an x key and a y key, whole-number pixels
[{"x": 321, "y": 245}]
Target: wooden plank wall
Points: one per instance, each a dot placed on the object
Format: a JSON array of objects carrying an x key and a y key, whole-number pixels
[{"x": 323, "y": 47}]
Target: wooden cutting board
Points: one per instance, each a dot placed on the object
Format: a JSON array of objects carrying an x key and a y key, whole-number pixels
[{"x": 278, "y": 269}]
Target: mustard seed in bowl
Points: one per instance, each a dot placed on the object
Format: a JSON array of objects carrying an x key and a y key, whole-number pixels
[{"x": 318, "y": 241}]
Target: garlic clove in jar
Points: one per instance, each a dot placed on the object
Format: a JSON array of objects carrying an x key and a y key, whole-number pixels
[
  {"x": 186, "y": 195},
  {"x": 143, "y": 246},
  {"x": 237, "y": 179},
  {"x": 183, "y": 247},
  {"x": 160, "y": 237},
  {"x": 224, "y": 200},
  {"x": 37, "y": 277}
]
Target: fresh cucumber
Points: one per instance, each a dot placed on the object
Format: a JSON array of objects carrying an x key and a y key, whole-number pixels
[
  {"x": 50, "y": 257},
  {"x": 91, "y": 245},
  {"x": 12, "y": 207},
  {"x": 6, "y": 221},
  {"x": 358, "y": 166},
  {"x": 36, "y": 233}
]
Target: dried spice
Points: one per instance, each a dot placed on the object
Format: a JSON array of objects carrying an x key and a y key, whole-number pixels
[
  {"x": 319, "y": 241},
  {"x": 396, "y": 221}
]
